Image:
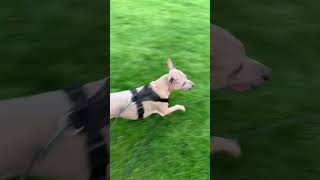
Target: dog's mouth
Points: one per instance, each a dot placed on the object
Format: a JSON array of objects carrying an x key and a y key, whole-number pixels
[
  {"x": 240, "y": 87},
  {"x": 187, "y": 89},
  {"x": 246, "y": 86}
]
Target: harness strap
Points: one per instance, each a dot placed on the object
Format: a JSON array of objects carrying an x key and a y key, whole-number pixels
[
  {"x": 77, "y": 96},
  {"x": 163, "y": 100},
  {"x": 92, "y": 120},
  {"x": 146, "y": 94},
  {"x": 138, "y": 102}
]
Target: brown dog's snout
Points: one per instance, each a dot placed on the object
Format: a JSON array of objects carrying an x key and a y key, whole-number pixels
[{"x": 266, "y": 75}]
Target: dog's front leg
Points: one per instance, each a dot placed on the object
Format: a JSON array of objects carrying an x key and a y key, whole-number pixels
[
  {"x": 169, "y": 110},
  {"x": 219, "y": 144}
]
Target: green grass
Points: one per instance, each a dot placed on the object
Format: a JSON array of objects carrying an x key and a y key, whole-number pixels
[
  {"x": 278, "y": 125},
  {"x": 48, "y": 45},
  {"x": 143, "y": 35}
]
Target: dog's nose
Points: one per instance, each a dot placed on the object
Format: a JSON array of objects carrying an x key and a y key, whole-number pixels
[
  {"x": 266, "y": 74},
  {"x": 192, "y": 84},
  {"x": 265, "y": 77}
]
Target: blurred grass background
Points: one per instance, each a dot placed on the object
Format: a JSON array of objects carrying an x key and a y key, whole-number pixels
[
  {"x": 49, "y": 45},
  {"x": 143, "y": 35},
  {"x": 46, "y": 45},
  {"x": 278, "y": 125}
]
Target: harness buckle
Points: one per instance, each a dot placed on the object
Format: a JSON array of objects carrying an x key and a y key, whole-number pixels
[{"x": 140, "y": 107}]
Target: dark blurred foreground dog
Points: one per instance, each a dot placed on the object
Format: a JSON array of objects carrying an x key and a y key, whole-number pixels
[
  {"x": 27, "y": 124},
  {"x": 232, "y": 68}
]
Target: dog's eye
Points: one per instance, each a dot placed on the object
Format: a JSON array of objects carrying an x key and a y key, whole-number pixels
[
  {"x": 236, "y": 71},
  {"x": 184, "y": 83}
]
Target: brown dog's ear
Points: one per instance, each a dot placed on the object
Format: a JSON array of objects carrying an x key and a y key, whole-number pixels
[{"x": 170, "y": 64}]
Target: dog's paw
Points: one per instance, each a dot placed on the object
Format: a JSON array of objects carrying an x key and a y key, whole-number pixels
[
  {"x": 219, "y": 144},
  {"x": 182, "y": 108}
]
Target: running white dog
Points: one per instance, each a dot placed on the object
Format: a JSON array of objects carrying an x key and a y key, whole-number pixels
[{"x": 151, "y": 98}]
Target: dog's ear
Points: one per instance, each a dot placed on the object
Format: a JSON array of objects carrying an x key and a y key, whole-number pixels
[
  {"x": 170, "y": 64},
  {"x": 171, "y": 80}
]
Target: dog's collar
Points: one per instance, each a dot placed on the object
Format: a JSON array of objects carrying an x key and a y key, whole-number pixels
[{"x": 146, "y": 94}]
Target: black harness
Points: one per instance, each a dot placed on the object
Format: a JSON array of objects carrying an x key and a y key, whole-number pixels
[
  {"x": 92, "y": 115},
  {"x": 146, "y": 94}
]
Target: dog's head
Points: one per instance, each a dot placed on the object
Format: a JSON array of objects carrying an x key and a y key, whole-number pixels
[
  {"x": 231, "y": 67},
  {"x": 177, "y": 79}
]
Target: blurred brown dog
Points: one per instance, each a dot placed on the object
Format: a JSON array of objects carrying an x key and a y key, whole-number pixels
[
  {"x": 27, "y": 124},
  {"x": 232, "y": 68}
]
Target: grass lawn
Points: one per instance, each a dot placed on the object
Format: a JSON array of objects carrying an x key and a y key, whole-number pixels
[
  {"x": 48, "y": 45},
  {"x": 143, "y": 35},
  {"x": 278, "y": 125}
]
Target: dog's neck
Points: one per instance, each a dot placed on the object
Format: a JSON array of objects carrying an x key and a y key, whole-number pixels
[{"x": 161, "y": 86}]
